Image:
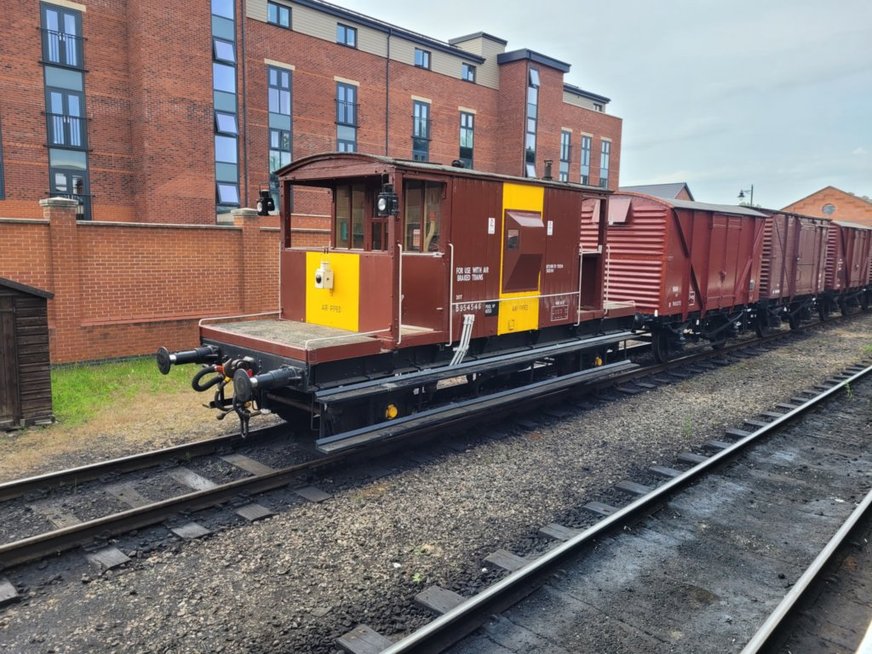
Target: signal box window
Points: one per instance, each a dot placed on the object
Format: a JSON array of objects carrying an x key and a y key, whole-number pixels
[
  {"x": 423, "y": 215},
  {"x": 350, "y": 216}
]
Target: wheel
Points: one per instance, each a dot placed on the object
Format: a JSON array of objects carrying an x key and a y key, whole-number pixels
[
  {"x": 864, "y": 300},
  {"x": 720, "y": 338},
  {"x": 823, "y": 310},
  {"x": 843, "y": 307},
  {"x": 794, "y": 321},
  {"x": 661, "y": 345}
]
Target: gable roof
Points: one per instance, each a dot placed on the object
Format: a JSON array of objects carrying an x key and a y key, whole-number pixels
[
  {"x": 668, "y": 191},
  {"x": 833, "y": 188}
]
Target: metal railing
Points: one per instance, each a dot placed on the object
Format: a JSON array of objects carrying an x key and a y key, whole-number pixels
[
  {"x": 63, "y": 48},
  {"x": 66, "y": 130}
]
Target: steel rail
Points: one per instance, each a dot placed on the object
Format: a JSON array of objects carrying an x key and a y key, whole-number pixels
[
  {"x": 458, "y": 622},
  {"x": 764, "y": 636},
  {"x": 59, "y": 540},
  {"x": 54, "y": 542},
  {"x": 18, "y": 487}
]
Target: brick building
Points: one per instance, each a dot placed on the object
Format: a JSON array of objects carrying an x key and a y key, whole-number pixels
[
  {"x": 830, "y": 202},
  {"x": 154, "y": 111}
]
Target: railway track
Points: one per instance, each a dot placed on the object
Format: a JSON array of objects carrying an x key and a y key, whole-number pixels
[
  {"x": 694, "y": 564},
  {"x": 250, "y": 476}
]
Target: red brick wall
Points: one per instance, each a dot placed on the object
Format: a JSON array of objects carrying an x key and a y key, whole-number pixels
[
  {"x": 125, "y": 289},
  {"x": 847, "y": 207}
]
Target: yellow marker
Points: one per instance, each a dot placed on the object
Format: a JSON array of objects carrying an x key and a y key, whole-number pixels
[
  {"x": 340, "y": 306},
  {"x": 519, "y": 314}
]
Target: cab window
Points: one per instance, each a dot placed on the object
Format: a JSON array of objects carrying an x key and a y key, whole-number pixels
[
  {"x": 423, "y": 215},
  {"x": 350, "y": 216}
]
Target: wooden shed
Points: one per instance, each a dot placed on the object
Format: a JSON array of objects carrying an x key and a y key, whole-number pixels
[{"x": 25, "y": 366}]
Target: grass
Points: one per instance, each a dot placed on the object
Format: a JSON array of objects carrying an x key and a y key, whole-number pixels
[{"x": 80, "y": 391}]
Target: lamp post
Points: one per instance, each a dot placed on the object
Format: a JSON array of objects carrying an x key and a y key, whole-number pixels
[{"x": 750, "y": 193}]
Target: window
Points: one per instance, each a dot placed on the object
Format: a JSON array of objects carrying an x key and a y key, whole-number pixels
[
  {"x": 279, "y": 129},
  {"x": 420, "y": 131},
  {"x": 65, "y": 118},
  {"x": 66, "y": 126},
  {"x": 346, "y": 117},
  {"x": 223, "y": 8},
  {"x": 467, "y": 137},
  {"x": 224, "y": 105},
  {"x": 598, "y": 106},
  {"x": 467, "y": 72},
  {"x": 62, "y": 36},
  {"x": 532, "y": 117},
  {"x": 585, "y": 159},
  {"x": 350, "y": 215},
  {"x": 604, "y": 164},
  {"x": 277, "y": 14},
  {"x": 565, "y": 154},
  {"x": 279, "y": 81},
  {"x": 224, "y": 77},
  {"x": 225, "y": 149},
  {"x": 346, "y": 35},
  {"x": 223, "y": 51},
  {"x": 226, "y": 124},
  {"x": 423, "y": 212},
  {"x": 228, "y": 194},
  {"x": 422, "y": 58}
]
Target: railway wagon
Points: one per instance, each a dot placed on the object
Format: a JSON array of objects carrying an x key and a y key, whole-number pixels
[
  {"x": 439, "y": 283},
  {"x": 792, "y": 275},
  {"x": 849, "y": 262},
  {"x": 692, "y": 269}
]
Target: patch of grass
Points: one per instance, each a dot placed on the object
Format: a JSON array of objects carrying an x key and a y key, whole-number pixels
[{"x": 80, "y": 391}]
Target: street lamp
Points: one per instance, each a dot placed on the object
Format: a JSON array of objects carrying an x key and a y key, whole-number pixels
[{"x": 750, "y": 196}]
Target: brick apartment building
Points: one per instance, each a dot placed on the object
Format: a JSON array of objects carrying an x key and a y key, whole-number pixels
[{"x": 155, "y": 111}]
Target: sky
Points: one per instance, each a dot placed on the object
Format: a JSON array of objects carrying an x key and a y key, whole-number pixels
[{"x": 722, "y": 95}]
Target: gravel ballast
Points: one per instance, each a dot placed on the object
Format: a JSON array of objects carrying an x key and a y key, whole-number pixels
[{"x": 295, "y": 581}]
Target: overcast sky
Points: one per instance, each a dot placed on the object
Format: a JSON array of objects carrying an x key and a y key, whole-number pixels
[{"x": 722, "y": 95}]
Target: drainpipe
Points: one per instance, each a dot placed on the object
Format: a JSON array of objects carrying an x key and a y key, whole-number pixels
[{"x": 388, "y": 91}]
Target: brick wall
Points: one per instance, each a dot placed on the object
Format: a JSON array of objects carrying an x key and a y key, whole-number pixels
[
  {"x": 847, "y": 206},
  {"x": 125, "y": 289}
]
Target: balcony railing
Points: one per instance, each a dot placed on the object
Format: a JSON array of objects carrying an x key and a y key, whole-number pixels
[
  {"x": 62, "y": 48},
  {"x": 346, "y": 113},
  {"x": 67, "y": 131}
]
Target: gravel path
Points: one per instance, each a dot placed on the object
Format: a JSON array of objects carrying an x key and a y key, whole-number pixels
[{"x": 295, "y": 581}]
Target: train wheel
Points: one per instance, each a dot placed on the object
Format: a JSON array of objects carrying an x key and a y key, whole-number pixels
[
  {"x": 864, "y": 300},
  {"x": 661, "y": 345},
  {"x": 843, "y": 307},
  {"x": 794, "y": 321},
  {"x": 823, "y": 310}
]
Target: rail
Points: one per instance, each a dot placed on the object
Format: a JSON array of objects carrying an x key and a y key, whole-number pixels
[{"x": 453, "y": 625}]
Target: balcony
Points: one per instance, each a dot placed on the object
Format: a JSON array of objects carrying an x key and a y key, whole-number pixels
[{"x": 62, "y": 49}]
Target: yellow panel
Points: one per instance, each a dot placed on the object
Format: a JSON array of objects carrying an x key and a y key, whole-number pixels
[
  {"x": 519, "y": 311},
  {"x": 337, "y": 307}
]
